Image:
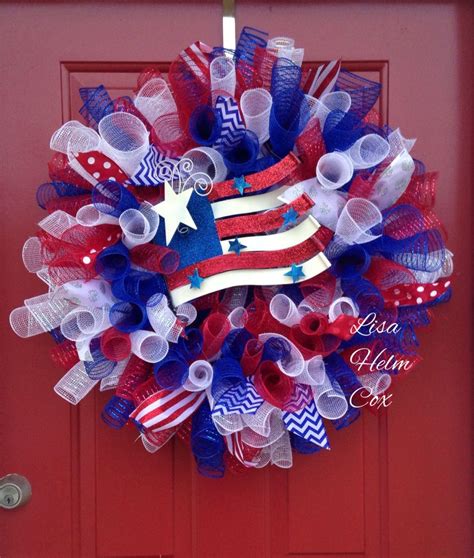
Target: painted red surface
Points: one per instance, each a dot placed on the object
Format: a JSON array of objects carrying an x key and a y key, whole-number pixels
[{"x": 396, "y": 484}]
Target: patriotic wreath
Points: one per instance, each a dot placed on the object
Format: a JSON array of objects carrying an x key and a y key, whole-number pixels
[{"x": 239, "y": 250}]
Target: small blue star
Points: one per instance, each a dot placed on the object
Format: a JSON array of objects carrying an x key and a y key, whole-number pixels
[
  {"x": 236, "y": 246},
  {"x": 290, "y": 216},
  {"x": 241, "y": 185},
  {"x": 296, "y": 272},
  {"x": 195, "y": 280}
]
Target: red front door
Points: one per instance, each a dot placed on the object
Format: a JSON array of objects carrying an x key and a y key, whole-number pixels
[{"x": 396, "y": 484}]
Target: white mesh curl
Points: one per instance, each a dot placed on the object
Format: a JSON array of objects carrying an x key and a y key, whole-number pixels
[
  {"x": 186, "y": 313},
  {"x": 223, "y": 78},
  {"x": 283, "y": 309},
  {"x": 368, "y": 151},
  {"x": 284, "y": 47},
  {"x": 256, "y": 105},
  {"x": 162, "y": 319},
  {"x": 398, "y": 143},
  {"x": 293, "y": 364},
  {"x": 334, "y": 170},
  {"x": 82, "y": 323},
  {"x": 320, "y": 108},
  {"x": 111, "y": 381},
  {"x": 357, "y": 218},
  {"x": 329, "y": 399},
  {"x": 89, "y": 216},
  {"x": 226, "y": 424},
  {"x": 31, "y": 254},
  {"x": 376, "y": 383},
  {"x": 237, "y": 317},
  {"x": 275, "y": 429},
  {"x": 150, "y": 448},
  {"x": 200, "y": 376},
  {"x": 205, "y": 161},
  {"x": 337, "y": 100},
  {"x": 124, "y": 140},
  {"x": 57, "y": 223},
  {"x": 431, "y": 277},
  {"x": 259, "y": 421},
  {"x": 40, "y": 314},
  {"x": 155, "y": 99},
  {"x": 314, "y": 371},
  {"x": 149, "y": 346},
  {"x": 75, "y": 384},
  {"x": 139, "y": 226},
  {"x": 340, "y": 306},
  {"x": 281, "y": 454},
  {"x": 74, "y": 137}
]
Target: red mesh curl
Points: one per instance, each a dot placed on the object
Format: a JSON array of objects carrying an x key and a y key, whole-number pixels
[
  {"x": 115, "y": 345},
  {"x": 125, "y": 104},
  {"x": 421, "y": 191},
  {"x": 310, "y": 146},
  {"x": 214, "y": 330},
  {"x": 60, "y": 171},
  {"x": 252, "y": 356},
  {"x": 170, "y": 135},
  {"x": 65, "y": 354},
  {"x": 153, "y": 257},
  {"x": 148, "y": 73},
  {"x": 384, "y": 273},
  {"x": 73, "y": 256},
  {"x": 135, "y": 373},
  {"x": 274, "y": 386},
  {"x": 70, "y": 205}
]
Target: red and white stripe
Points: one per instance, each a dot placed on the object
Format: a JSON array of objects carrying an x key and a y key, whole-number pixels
[
  {"x": 324, "y": 80},
  {"x": 167, "y": 408},
  {"x": 196, "y": 57},
  {"x": 238, "y": 449}
]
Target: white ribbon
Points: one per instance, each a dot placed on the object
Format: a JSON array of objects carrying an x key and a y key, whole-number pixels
[{"x": 394, "y": 180}]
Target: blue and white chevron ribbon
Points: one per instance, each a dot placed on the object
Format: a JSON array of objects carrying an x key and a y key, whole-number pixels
[
  {"x": 308, "y": 424},
  {"x": 154, "y": 169},
  {"x": 233, "y": 126},
  {"x": 242, "y": 398}
]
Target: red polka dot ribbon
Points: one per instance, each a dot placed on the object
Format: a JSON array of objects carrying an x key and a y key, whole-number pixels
[
  {"x": 101, "y": 167},
  {"x": 415, "y": 293}
]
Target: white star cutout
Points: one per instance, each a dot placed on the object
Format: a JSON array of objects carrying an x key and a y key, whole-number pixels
[{"x": 174, "y": 210}]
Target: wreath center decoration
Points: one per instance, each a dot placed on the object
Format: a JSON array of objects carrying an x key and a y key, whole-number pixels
[{"x": 240, "y": 251}]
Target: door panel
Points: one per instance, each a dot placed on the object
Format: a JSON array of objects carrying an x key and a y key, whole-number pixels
[{"x": 394, "y": 484}]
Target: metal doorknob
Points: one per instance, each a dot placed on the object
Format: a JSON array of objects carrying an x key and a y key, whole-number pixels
[{"x": 15, "y": 491}]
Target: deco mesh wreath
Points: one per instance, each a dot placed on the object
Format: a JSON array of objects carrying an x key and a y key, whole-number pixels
[{"x": 214, "y": 245}]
